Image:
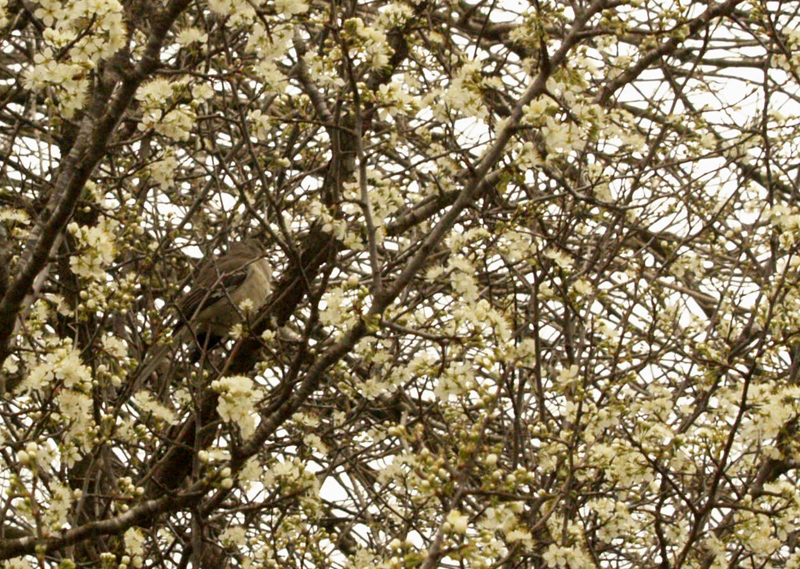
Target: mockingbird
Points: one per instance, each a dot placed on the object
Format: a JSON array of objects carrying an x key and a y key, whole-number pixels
[{"x": 224, "y": 290}]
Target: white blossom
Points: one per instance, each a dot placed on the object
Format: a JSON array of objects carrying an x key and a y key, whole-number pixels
[
  {"x": 62, "y": 362},
  {"x": 236, "y": 402},
  {"x": 188, "y": 36},
  {"x": 290, "y": 7},
  {"x": 457, "y": 522},
  {"x": 148, "y": 404},
  {"x": 98, "y": 249}
]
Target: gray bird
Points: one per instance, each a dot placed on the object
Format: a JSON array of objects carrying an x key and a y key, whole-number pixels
[{"x": 225, "y": 289}]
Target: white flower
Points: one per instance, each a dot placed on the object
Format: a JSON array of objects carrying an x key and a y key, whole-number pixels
[
  {"x": 457, "y": 522},
  {"x": 98, "y": 249},
  {"x": 290, "y": 7},
  {"x": 233, "y": 536},
  {"x": 456, "y": 380},
  {"x": 11, "y": 214},
  {"x": 76, "y": 409},
  {"x": 369, "y": 42},
  {"x": 163, "y": 172},
  {"x": 394, "y": 16},
  {"x": 71, "y": 370},
  {"x": 338, "y": 309},
  {"x": 464, "y": 94},
  {"x": 62, "y": 362},
  {"x": 239, "y": 12},
  {"x": 147, "y": 404},
  {"x": 582, "y": 287},
  {"x": 519, "y": 535},
  {"x": 567, "y": 376},
  {"x": 250, "y": 472},
  {"x": 533, "y": 113},
  {"x": 58, "y": 506},
  {"x": 236, "y": 402},
  {"x": 115, "y": 347},
  {"x": 556, "y": 556},
  {"x": 202, "y": 91},
  {"x": 156, "y": 92},
  {"x": 189, "y": 36},
  {"x": 18, "y": 563},
  {"x": 316, "y": 443},
  {"x": 561, "y": 259},
  {"x": 176, "y": 124},
  {"x": 134, "y": 541}
]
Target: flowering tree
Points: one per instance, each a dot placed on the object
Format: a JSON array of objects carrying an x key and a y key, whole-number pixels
[{"x": 536, "y": 298}]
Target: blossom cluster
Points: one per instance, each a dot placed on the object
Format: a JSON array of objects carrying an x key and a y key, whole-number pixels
[
  {"x": 270, "y": 44},
  {"x": 159, "y": 113},
  {"x": 237, "y": 402},
  {"x": 464, "y": 93},
  {"x": 98, "y": 248},
  {"x": 367, "y": 43},
  {"x": 77, "y": 35},
  {"x": 60, "y": 371}
]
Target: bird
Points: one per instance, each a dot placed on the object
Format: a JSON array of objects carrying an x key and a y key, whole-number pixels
[{"x": 223, "y": 291}]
